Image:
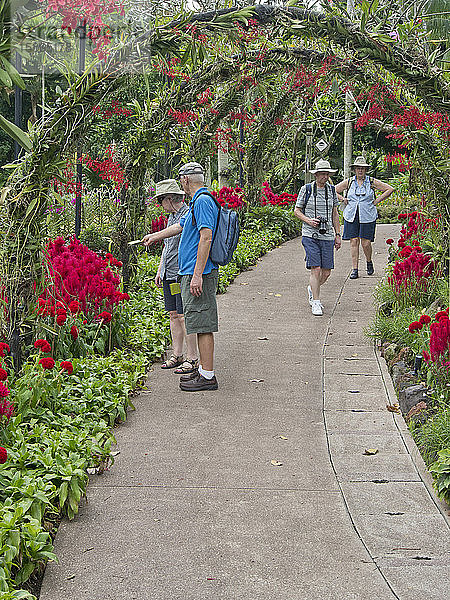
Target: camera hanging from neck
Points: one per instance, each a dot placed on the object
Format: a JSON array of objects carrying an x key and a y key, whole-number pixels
[{"x": 315, "y": 200}]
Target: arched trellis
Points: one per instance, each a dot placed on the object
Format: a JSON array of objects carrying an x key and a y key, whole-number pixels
[{"x": 21, "y": 253}]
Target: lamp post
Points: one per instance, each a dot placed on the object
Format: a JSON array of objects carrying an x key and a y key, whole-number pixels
[{"x": 81, "y": 29}]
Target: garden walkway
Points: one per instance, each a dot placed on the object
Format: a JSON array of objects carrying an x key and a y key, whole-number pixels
[{"x": 262, "y": 490}]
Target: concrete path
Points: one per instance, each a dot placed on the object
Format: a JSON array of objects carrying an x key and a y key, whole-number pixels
[{"x": 194, "y": 507}]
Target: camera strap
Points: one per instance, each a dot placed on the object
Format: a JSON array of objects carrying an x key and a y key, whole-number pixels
[{"x": 315, "y": 200}]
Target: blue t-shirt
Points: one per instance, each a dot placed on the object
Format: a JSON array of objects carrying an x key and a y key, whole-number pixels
[{"x": 205, "y": 213}]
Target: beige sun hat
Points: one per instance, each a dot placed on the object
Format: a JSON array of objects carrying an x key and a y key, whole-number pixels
[
  {"x": 191, "y": 168},
  {"x": 360, "y": 161},
  {"x": 167, "y": 186},
  {"x": 321, "y": 166}
]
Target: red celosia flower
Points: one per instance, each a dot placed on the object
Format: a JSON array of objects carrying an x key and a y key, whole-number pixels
[
  {"x": 3, "y": 455},
  {"x": 67, "y": 366},
  {"x": 389, "y": 241},
  {"x": 4, "y": 392},
  {"x": 414, "y": 326},
  {"x": 105, "y": 317},
  {"x": 3, "y": 374},
  {"x": 424, "y": 319},
  {"x": 441, "y": 313},
  {"x": 402, "y": 216},
  {"x": 74, "y": 306},
  {"x": 47, "y": 362},
  {"x": 426, "y": 356},
  {"x": 4, "y": 347},
  {"x": 74, "y": 332},
  {"x": 43, "y": 345},
  {"x": 61, "y": 318}
]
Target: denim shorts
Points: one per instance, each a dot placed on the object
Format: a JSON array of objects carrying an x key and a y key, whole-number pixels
[
  {"x": 171, "y": 302},
  {"x": 366, "y": 231},
  {"x": 200, "y": 313},
  {"x": 319, "y": 253}
]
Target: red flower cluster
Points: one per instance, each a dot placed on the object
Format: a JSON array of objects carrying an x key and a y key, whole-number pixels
[
  {"x": 4, "y": 348},
  {"x": 389, "y": 241},
  {"x": 269, "y": 197},
  {"x": 77, "y": 273},
  {"x": 4, "y": 392},
  {"x": 107, "y": 169},
  {"x": 3, "y": 455},
  {"x": 74, "y": 332},
  {"x": 402, "y": 161},
  {"x": 440, "y": 337},
  {"x": 374, "y": 112},
  {"x": 224, "y": 140},
  {"x": 172, "y": 68},
  {"x": 47, "y": 362},
  {"x": 105, "y": 317},
  {"x": 205, "y": 97},
  {"x": 113, "y": 261},
  {"x": 230, "y": 197},
  {"x": 66, "y": 365},
  {"x": 414, "y": 118},
  {"x": 182, "y": 117},
  {"x": 42, "y": 345},
  {"x": 413, "y": 271},
  {"x": 90, "y": 12},
  {"x": 415, "y": 326},
  {"x": 3, "y": 374},
  {"x": 159, "y": 224},
  {"x": 115, "y": 109}
]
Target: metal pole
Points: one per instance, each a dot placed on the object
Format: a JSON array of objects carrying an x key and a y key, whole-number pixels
[
  {"x": 18, "y": 106},
  {"x": 79, "y": 179},
  {"x": 348, "y": 130}
]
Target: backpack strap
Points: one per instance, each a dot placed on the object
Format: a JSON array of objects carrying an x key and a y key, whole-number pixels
[
  {"x": 308, "y": 193},
  {"x": 207, "y": 193}
]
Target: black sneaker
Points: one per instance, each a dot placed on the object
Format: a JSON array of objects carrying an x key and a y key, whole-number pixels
[
  {"x": 199, "y": 384},
  {"x": 354, "y": 274},
  {"x": 189, "y": 376},
  {"x": 370, "y": 269}
]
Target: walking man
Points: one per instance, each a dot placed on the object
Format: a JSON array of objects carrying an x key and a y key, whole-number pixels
[
  {"x": 317, "y": 207},
  {"x": 199, "y": 275}
]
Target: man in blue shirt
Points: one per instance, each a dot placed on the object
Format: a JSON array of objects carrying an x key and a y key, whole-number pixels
[{"x": 199, "y": 275}]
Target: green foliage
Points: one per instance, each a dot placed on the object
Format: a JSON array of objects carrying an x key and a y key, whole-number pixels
[
  {"x": 441, "y": 471},
  {"x": 273, "y": 217},
  {"x": 434, "y": 435}
]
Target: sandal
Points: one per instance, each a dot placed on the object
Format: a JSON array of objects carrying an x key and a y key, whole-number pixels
[
  {"x": 172, "y": 362},
  {"x": 188, "y": 366}
]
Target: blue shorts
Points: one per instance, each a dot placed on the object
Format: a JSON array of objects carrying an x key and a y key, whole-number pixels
[
  {"x": 366, "y": 231},
  {"x": 171, "y": 302},
  {"x": 319, "y": 253}
]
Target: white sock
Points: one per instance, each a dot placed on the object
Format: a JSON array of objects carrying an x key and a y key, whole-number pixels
[{"x": 205, "y": 374}]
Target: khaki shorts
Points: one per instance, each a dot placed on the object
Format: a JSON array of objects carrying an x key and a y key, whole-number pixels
[{"x": 200, "y": 313}]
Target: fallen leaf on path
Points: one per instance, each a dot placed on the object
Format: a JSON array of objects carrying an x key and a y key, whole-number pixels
[
  {"x": 395, "y": 408},
  {"x": 278, "y": 295},
  {"x": 244, "y": 283},
  {"x": 276, "y": 463},
  {"x": 70, "y": 577},
  {"x": 370, "y": 451},
  {"x": 280, "y": 437}
]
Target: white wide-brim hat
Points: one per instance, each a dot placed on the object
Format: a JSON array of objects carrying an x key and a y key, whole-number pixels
[
  {"x": 167, "y": 186},
  {"x": 360, "y": 161},
  {"x": 322, "y": 166}
]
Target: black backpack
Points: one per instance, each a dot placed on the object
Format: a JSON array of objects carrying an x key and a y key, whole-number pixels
[{"x": 226, "y": 234}]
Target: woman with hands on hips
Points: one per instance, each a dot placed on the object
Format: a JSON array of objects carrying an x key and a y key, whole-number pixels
[{"x": 360, "y": 213}]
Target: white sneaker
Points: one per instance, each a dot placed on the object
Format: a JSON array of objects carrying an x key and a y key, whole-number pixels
[
  {"x": 316, "y": 308},
  {"x": 310, "y": 295}
]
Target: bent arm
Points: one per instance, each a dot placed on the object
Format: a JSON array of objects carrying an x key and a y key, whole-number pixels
[
  {"x": 341, "y": 187},
  {"x": 151, "y": 238},
  {"x": 385, "y": 188}
]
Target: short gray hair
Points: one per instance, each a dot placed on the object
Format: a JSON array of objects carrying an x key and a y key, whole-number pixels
[{"x": 196, "y": 178}]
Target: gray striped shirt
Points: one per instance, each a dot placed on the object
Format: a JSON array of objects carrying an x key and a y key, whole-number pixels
[{"x": 317, "y": 207}]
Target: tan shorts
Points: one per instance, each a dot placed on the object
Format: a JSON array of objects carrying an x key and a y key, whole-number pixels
[{"x": 200, "y": 313}]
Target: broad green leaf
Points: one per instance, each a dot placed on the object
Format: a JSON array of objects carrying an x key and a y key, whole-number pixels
[{"x": 15, "y": 133}]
